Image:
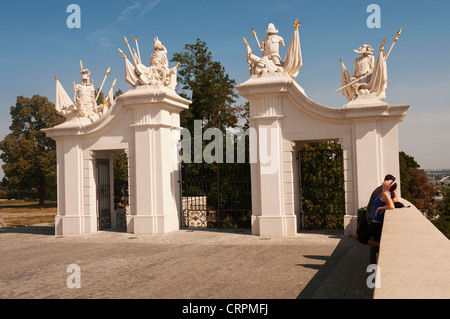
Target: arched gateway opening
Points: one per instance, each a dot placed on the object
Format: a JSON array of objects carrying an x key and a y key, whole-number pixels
[
  {"x": 111, "y": 180},
  {"x": 321, "y": 185}
]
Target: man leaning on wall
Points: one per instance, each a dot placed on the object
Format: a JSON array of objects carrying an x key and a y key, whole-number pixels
[{"x": 375, "y": 194}]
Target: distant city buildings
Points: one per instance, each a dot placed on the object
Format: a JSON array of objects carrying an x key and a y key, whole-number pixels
[
  {"x": 438, "y": 178},
  {"x": 438, "y": 175}
]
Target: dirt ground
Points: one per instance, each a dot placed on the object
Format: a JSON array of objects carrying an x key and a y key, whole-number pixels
[{"x": 15, "y": 213}]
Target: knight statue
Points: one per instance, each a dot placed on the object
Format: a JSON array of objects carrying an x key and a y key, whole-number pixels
[
  {"x": 84, "y": 97},
  {"x": 369, "y": 79},
  {"x": 84, "y": 104},
  {"x": 271, "y": 61}
]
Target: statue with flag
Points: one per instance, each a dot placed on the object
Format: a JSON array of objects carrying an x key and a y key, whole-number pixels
[
  {"x": 370, "y": 78},
  {"x": 271, "y": 61},
  {"x": 84, "y": 106}
]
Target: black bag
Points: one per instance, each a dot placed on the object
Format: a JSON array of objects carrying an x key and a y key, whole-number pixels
[
  {"x": 363, "y": 220},
  {"x": 398, "y": 205}
]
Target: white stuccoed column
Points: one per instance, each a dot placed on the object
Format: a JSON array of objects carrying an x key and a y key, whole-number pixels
[
  {"x": 269, "y": 217},
  {"x": 156, "y": 125},
  {"x": 70, "y": 187},
  {"x": 375, "y": 150}
]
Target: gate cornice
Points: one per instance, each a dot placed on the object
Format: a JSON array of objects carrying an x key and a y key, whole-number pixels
[
  {"x": 142, "y": 97},
  {"x": 281, "y": 85}
]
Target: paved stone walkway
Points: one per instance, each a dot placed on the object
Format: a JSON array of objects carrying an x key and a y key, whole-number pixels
[{"x": 184, "y": 264}]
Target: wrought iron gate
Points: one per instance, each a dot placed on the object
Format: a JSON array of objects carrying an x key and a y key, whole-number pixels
[
  {"x": 322, "y": 193},
  {"x": 103, "y": 194},
  {"x": 215, "y": 195}
]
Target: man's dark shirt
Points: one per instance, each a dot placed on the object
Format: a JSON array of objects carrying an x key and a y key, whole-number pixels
[{"x": 377, "y": 192}]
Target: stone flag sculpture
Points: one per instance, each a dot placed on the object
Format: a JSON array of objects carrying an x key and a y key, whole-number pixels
[
  {"x": 369, "y": 79},
  {"x": 64, "y": 104},
  {"x": 271, "y": 62}
]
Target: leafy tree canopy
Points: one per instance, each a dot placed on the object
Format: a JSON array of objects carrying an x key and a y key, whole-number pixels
[
  {"x": 206, "y": 84},
  {"x": 415, "y": 186},
  {"x": 29, "y": 156}
]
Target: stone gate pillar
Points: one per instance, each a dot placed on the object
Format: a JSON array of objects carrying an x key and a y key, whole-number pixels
[
  {"x": 270, "y": 216},
  {"x": 71, "y": 217},
  {"x": 154, "y": 188}
]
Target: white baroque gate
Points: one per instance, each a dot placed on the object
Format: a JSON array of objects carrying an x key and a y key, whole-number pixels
[{"x": 145, "y": 123}]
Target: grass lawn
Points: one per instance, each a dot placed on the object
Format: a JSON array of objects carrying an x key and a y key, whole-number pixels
[{"x": 15, "y": 213}]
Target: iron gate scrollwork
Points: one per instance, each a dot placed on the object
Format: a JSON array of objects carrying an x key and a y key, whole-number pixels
[
  {"x": 103, "y": 194},
  {"x": 321, "y": 185},
  {"x": 216, "y": 195}
]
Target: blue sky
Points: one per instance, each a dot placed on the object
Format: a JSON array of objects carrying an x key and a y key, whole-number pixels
[{"x": 37, "y": 44}]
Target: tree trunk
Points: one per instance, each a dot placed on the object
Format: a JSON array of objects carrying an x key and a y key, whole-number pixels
[{"x": 42, "y": 191}]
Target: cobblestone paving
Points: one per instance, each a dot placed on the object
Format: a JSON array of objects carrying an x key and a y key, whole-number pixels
[{"x": 182, "y": 264}]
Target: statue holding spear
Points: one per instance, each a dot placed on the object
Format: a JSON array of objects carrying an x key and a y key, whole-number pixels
[
  {"x": 101, "y": 86},
  {"x": 369, "y": 78},
  {"x": 271, "y": 61}
]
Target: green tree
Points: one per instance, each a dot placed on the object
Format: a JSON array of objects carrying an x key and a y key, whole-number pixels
[
  {"x": 407, "y": 163},
  {"x": 120, "y": 169},
  {"x": 206, "y": 84},
  {"x": 118, "y": 93},
  {"x": 29, "y": 156},
  {"x": 120, "y": 176},
  {"x": 213, "y": 96},
  {"x": 101, "y": 97},
  {"x": 415, "y": 186},
  {"x": 442, "y": 222}
]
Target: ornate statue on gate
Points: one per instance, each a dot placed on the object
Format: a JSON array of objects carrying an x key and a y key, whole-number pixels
[
  {"x": 84, "y": 97},
  {"x": 270, "y": 48},
  {"x": 84, "y": 104},
  {"x": 271, "y": 61},
  {"x": 370, "y": 78},
  {"x": 158, "y": 74}
]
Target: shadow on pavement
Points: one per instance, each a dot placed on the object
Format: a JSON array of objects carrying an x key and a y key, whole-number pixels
[
  {"x": 32, "y": 229},
  {"x": 241, "y": 231},
  {"x": 342, "y": 276}
]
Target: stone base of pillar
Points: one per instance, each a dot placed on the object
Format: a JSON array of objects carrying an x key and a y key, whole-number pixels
[
  {"x": 274, "y": 226},
  {"x": 137, "y": 224},
  {"x": 350, "y": 225},
  {"x": 75, "y": 225}
]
